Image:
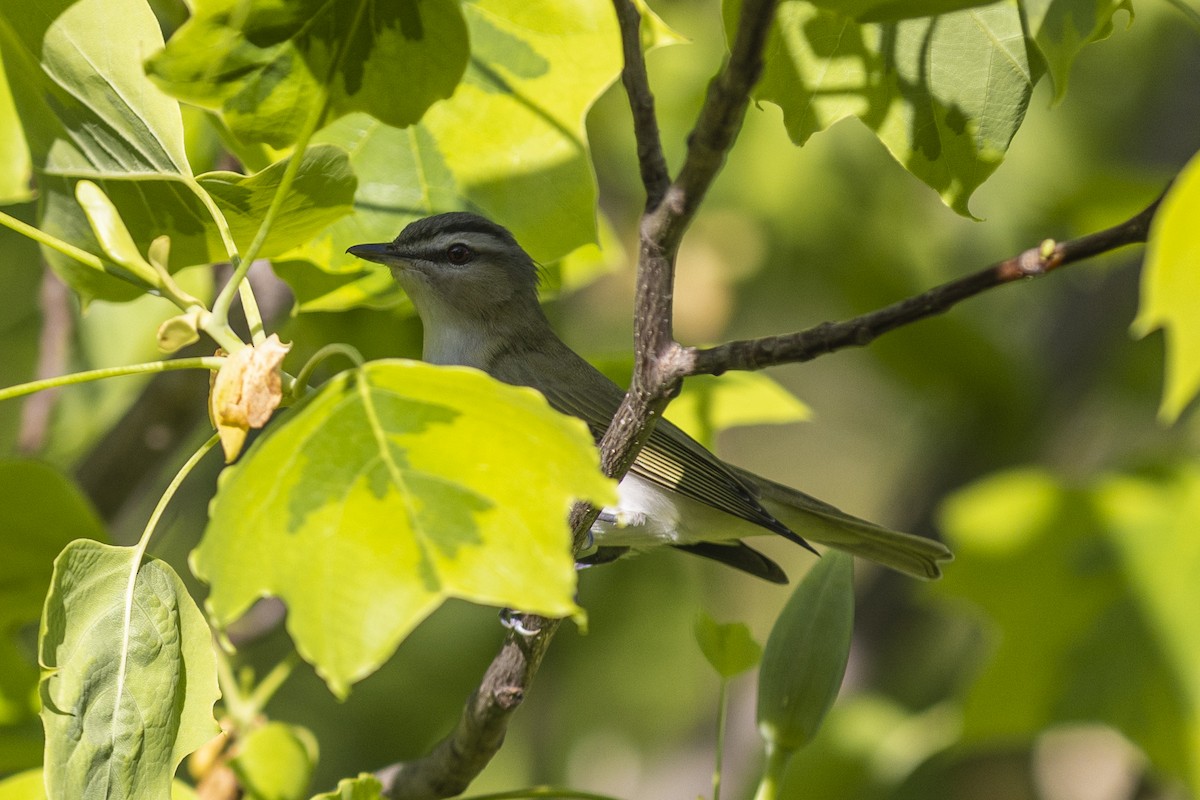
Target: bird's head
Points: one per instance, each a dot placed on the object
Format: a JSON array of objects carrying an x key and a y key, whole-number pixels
[{"x": 458, "y": 267}]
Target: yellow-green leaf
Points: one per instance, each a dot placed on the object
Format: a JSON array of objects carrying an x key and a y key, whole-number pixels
[{"x": 392, "y": 488}]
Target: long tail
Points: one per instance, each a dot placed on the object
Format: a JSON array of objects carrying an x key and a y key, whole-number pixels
[{"x": 822, "y": 523}]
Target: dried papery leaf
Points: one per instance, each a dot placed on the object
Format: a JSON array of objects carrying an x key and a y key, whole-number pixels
[{"x": 245, "y": 392}]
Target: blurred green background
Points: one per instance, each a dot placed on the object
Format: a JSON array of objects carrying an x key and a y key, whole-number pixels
[{"x": 1021, "y": 426}]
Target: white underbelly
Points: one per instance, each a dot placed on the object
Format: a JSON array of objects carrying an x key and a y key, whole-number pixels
[{"x": 647, "y": 515}]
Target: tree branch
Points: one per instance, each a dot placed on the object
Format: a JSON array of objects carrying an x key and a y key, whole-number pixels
[
  {"x": 753, "y": 354},
  {"x": 455, "y": 761}
]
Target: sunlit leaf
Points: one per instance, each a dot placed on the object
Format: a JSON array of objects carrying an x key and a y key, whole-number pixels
[
  {"x": 944, "y": 94},
  {"x": 1095, "y": 585},
  {"x": 806, "y": 654},
  {"x": 129, "y": 675},
  {"x": 392, "y": 488},
  {"x": 269, "y": 66},
  {"x": 729, "y": 648},
  {"x": 1171, "y": 289}
]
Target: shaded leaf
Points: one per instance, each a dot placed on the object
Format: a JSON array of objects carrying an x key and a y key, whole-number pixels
[
  {"x": 30, "y": 785},
  {"x": 729, "y": 648},
  {"x": 268, "y": 66},
  {"x": 1171, "y": 289},
  {"x": 390, "y": 489},
  {"x": 129, "y": 675},
  {"x": 806, "y": 654},
  {"x": 944, "y": 94}
]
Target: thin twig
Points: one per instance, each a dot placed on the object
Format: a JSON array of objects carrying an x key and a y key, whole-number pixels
[
  {"x": 753, "y": 354},
  {"x": 655, "y": 175}
]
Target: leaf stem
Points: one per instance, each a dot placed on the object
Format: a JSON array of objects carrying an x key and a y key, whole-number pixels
[
  {"x": 22, "y": 389},
  {"x": 53, "y": 242},
  {"x": 773, "y": 772},
  {"x": 300, "y": 387},
  {"x": 173, "y": 487},
  {"x": 275, "y": 678}
]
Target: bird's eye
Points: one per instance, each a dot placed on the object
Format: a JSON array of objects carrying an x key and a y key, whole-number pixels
[{"x": 458, "y": 253}]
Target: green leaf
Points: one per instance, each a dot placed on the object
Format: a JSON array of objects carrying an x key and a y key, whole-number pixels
[
  {"x": 1062, "y": 28},
  {"x": 1171, "y": 289},
  {"x": 1116, "y": 563},
  {"x": 364, "y": 787},
  {"x": 275, "y": 762},
  {"x": 945, "y": 94},
  {"x": 729, "y": 648},
  {"x": 129, "y": 675},
  {"x": 708, "y": 405},
  {"x": 317, "y": 290},
  {"x": 268, "y": 66},
  {"x": 390, "y": 489},
  {"x": 88, "y": 111},
  {"x": 806, "y": 654},
  {"x": 51, "y": 513},
  {"x": 322, "y": 192}
]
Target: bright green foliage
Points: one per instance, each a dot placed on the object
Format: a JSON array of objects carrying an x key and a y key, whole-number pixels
[
  {"x": 1062, "y": 28},
  {"x": 1171, "y": 289},
  {"x": 270, "y": 66},
  {"x": 51, "y": 513},
  {"x": 364, "y": 787},
  {"x": 389, "y": 490},
  {"x": 729, "y": 648},
  {"x": 806, "y": 654},
  {"x": 945, "y": 94},
  {"x": 275, "y": 762},
  {"x": 130, "y": 676},
  {"x": 709, "y": 404},
  {"x": 1096, "y": 586}
]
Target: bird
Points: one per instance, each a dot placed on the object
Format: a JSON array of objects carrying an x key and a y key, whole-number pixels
[{"x": 475, "y": 290}]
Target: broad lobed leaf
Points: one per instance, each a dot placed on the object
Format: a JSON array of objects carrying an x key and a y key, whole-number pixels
[{"x": 392, "y": 488}]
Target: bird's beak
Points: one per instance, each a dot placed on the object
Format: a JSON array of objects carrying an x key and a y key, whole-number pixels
[{"x": 379, "y": 253}]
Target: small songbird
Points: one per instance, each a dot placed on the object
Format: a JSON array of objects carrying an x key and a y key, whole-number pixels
[{"x": 475, "y": 290}]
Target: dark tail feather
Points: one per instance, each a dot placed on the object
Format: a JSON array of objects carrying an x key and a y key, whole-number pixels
[{"x": 739, "y": 556}]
